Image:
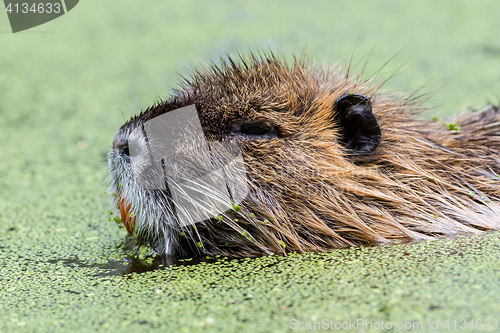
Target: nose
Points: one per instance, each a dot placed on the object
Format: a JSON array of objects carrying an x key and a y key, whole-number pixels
[{"x": 122, "y": 146}]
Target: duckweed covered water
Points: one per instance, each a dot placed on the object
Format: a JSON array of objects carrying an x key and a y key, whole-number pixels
[
  {"x": 418, "y": 283},
  {"x": 63, "y": 89}
]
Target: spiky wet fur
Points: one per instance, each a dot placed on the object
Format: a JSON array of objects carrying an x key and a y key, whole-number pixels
[{"x": 308, "y": 193}]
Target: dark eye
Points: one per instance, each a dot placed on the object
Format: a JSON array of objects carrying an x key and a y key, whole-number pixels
[{"x": 255, "y": 130}]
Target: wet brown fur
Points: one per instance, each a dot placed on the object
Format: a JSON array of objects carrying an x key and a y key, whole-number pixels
[{"x": 309, "y": 193}]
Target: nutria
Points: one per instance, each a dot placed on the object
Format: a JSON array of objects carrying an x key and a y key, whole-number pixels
[{"x": 329, "y": 163}]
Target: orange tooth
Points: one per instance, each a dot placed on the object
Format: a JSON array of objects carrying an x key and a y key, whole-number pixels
[{"x": 125, "y": 211}]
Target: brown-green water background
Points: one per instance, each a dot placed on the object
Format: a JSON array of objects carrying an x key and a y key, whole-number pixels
[{"x": 63, "y": 89}]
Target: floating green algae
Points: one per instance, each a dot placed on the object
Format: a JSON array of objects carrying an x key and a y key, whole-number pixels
[{"x": 421, "y": 283}]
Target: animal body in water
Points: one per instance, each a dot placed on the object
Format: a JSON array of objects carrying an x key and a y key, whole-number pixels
[{"x": 325, "y": 160}]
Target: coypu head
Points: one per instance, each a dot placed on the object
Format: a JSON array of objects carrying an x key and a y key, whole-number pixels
[{"x": 316, "y": 155}]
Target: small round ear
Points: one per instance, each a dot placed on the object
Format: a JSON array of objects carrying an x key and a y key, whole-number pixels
[{"x": 360, "y": 131}]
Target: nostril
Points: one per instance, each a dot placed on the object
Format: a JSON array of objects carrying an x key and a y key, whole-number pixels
[
  {"x": 122, "y": 147},
  {"x": 124, "y": 151}
]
